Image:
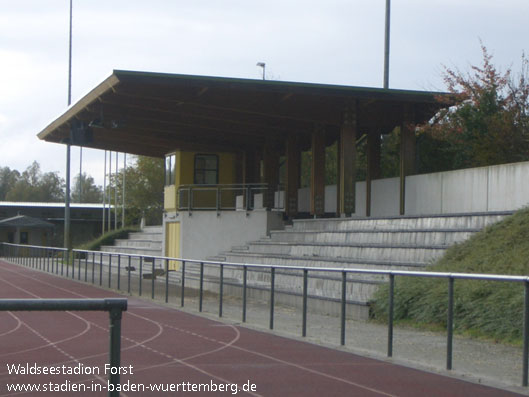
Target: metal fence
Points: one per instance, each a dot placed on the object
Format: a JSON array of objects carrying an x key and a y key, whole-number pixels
[
  {"x": 227, "y": 197},
  {"x": 112, "y": 269},
  {"x": 114, "y": 306}
]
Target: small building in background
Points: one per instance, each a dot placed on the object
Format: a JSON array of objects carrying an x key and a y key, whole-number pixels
[
  {"x": 23, "y": 229},
  {"x": 86, "y": 220}
]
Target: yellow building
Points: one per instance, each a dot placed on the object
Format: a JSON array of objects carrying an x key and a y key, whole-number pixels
[{"x": 196, "y": 178}]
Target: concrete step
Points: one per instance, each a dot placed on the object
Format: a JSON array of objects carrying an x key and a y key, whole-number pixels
[
  {"x": 152, "y": 229},
  {"x": 315, "y": 261},
  {"x": 381, "y": 236},
  {"x": 359, "y": 288},
  {"x": 131, "y": 250},
  {"x": 452, "y": 221},
  {"x": 146, "y": 236},
  {"x": 149, "y": 244},
  {"x": 375, "y": 252}
]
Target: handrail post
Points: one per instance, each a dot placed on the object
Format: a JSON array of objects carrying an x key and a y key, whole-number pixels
[
  {"x": 344, "y": 308},
  {"x": 248, "y": 198},
  {"x": 100, "y": 269},
  {"x": 221, "y": 288},
  {"x": 119, "y": 272},
  {"x": 201, "y": 291},
  {"x": 390, "y": 313},
  {"x": 128, "y": 273},
  {"x": 305, "y": 293},
  {"x": 109, "y": 270},
  {"x": 450, "y": 323},
  {"x": 93, "y": 266},
  {"x": 183, "y": 287},
  {"x": 86, "y": 267},
  {"x": 141, "y": 277},
  {"x": 525, "y": 335},
  {"x": 167, "y": 281},
  {"x": 115, "y": 315},
  {"x": 153, "y": 277},
  {"x": 244, "y": 287},
  {"x": 80, "y": 262},
  {"x": 272, "y": 292}
]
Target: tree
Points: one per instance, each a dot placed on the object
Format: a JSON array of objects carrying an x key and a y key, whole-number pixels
[
  {"x": 8, "y": 178},
  {"x": 143, "y": 191},
  {"x": 486, "y": 118},
  {"x": 34, "y": 186},
  {"x": 89, "y": 193}
]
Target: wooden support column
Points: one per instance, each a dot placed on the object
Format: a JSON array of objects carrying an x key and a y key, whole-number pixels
[
  {"x": 270, "y": 174},
  {"x": 407, "y": 153},
  {"x": 347, "y": 166},
  {"x": 317, "y": 175},
  {"x": 293, "y": 164},
  {"x": 373, "y": 164},
  {"x": 251, "y": 163},
  {"x": 250, "y": 166}
]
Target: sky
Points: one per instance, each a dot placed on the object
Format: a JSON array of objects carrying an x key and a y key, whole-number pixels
[{"x": 314, "y": 41}]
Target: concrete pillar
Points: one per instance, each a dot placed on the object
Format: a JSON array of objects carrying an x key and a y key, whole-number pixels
[
  {"x": 347, "y": 161},
  {"x": 293, "y": 164},
  {"x": 317, "y": 175},
  {"x": 407, "y": 152}
]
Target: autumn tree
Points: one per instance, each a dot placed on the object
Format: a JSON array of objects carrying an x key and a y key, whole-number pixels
[{"x": 486, "y": 117}]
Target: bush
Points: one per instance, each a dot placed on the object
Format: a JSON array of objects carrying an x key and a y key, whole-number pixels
[
  {"x": 489, "y": 309},
  {"x": 108, "y": 238}
]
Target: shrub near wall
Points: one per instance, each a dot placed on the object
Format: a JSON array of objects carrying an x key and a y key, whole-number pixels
[{"x": 489, "y": 309}]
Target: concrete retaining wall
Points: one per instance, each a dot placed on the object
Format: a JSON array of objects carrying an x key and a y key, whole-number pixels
[
  {"x": 204, "y": 233},
  {"x": 495, "y": 188}
]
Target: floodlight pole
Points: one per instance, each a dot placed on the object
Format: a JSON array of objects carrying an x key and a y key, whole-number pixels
[
  {"x": 124, "y": 180},
  {"x": 67, "y": 241},
  {"x": 386, "y": 45}
]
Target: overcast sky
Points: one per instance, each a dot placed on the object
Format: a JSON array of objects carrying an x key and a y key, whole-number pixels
[{"x": 331, "y": 41}]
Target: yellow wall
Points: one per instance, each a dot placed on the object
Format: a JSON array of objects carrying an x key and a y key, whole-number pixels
[
  {"x": 169, "y": 198},
  {"x": 172, "y": 243},
  {"x": 184, "y": 172}
]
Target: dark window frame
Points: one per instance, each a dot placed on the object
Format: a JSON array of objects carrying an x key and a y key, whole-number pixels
[
  {"x": 170, "y": 171},
  {"x": 24, "y": 237},
  {"x": 216, "y": 169}
]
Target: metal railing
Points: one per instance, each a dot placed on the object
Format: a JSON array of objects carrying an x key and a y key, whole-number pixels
[
  {"x": 114, "y": 306},
  {"x": 94, "y": 262},
  {"x": 227, "y": 197}
]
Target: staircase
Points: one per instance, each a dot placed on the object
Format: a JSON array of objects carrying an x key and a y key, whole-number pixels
[
  {"x": 147, "y": 242},
  {"x": 397, "y": 243}
]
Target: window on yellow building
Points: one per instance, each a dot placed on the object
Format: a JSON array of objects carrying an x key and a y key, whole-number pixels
[
  {"x": 206, "y": 169},
  {"x": 170, "y": 169}
]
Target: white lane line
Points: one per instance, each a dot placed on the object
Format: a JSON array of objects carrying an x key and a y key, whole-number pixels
[{"x": 173, "y": 359}]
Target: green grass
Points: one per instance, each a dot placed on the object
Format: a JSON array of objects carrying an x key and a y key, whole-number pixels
[
  {"x": 107, "y": 239},
  {"x": 492, "y": 310}
]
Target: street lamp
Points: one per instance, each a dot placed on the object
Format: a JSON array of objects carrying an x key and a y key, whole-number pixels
[{"x": 262, "y": 65}]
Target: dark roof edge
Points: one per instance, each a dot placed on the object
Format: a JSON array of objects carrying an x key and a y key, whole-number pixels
[{"x": 336, "y": 88}]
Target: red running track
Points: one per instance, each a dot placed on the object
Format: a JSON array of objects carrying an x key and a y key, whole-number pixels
[{"x": 165, "y": 346}]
